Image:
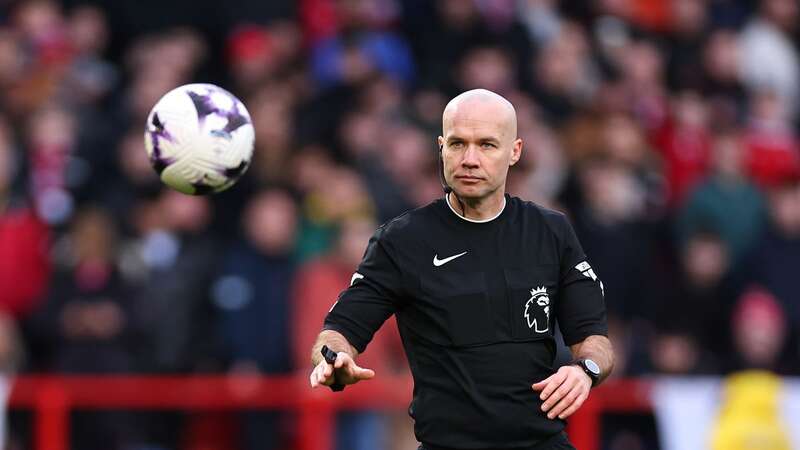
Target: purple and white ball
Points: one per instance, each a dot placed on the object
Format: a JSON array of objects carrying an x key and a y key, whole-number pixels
[{"x": 199, "y": 138}]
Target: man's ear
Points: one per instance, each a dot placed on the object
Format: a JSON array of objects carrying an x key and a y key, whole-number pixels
[
  {"x": 516, "y": 152},
  {"x": 440, "y": 142}
]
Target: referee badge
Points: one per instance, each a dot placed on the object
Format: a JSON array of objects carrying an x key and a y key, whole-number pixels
[{"x": 537, "y": 310}]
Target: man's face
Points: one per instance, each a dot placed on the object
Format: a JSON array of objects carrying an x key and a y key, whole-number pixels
[{"x": 478, "y": 146}]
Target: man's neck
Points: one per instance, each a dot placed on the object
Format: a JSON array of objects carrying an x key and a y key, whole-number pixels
[{"x": 478, "y": 209}]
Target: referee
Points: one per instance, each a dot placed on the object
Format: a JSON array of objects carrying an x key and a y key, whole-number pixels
[{"x": 478, "y": 281}]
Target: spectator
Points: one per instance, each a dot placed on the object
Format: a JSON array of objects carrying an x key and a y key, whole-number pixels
[
  {"x": 249, "y": 52},
  {"x": 564, "y": 77},
  {"x": 44, "y": 50},
  {"x": 51, "y": 139},
  {"x": 251, "y": 294},
  {"x": 778, "y": 250},
  {"x": 88, "y": 322},
  {"x": 339, "y": 196},
  {"x": 259, "y": 54},
  {"x": 687, "y": 39},
  {"x": 772, "y": 150},
  {"x": 135, "y": 178},
  {"x": 443, "y": 32},
  {"x": 89, "y": 79},
  {"x": 171, "y": 261},
  {"x": 685, "y": 145},
  {"x": 89, "y": 325},
  {"x": 272, "y": 110},
  {"x": 759, "y": 331},
  {"x": 252, "y": 289},
  {"x": 541, "y": 19},
  {"x": 769, "y": 58},
  {"x": 24, "y": 239},
  {"x": 722, "y": 86},
  {"x": 691, "y": 309},
  {"x": 86, "y": 89},
  {"x": 726, "y": 202},
  {"x": 486, "y": 67},
  {"x": 357, "y": 51},
  {"x": 642, "y": 90},
  {"x": 610, "y": 226},
  {"x": 542, "y": 170}
]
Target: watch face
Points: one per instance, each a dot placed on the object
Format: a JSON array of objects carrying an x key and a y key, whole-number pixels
[{"x": 592, "y": 366}]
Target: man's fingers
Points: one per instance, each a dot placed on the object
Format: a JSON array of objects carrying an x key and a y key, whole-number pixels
[
  {"x": 321, "y": 375},
  {"x": 563, "y": 392},
  {"x": 557, "y": 393},
  {"x": 554, "y": 382},
  {"x": 541, "y": 385},
  {"x": 574, "y": 406},
  {"x": 344, "y": 369},
  {"x": 556, "y": 396},
  {"x": 315, "y": 377},
  {"x": 343, "y": 360},
  {"x": 358, "y": 373},
  {"x": 364, "y": 374},
  {"x": 566, "y": 401}
]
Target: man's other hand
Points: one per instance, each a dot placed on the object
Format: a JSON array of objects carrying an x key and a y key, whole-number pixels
[
  {"x": 564, "y": 391},
  {"x": 347, "y": 372}
]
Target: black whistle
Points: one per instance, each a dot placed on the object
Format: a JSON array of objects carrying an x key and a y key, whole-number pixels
[{"x": 330, "y": 358}]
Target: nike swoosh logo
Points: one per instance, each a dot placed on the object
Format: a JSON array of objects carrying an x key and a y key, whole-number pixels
[{"x": 438, "y": 262}]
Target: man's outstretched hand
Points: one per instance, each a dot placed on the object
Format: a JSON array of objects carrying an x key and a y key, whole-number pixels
[
  {"x": 564, "y": 391},
  {"x": 347, "y": 372}
]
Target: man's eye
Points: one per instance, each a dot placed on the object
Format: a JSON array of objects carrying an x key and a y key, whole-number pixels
[
  {"x": 457, "y": 145},
  {"x": 488, "y": 145}
]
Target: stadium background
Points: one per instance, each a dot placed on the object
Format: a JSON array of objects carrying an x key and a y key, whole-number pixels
[{"x": 666, "y": 130}]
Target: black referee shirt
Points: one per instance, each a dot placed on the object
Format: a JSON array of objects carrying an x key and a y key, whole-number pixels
[{"x": 476, "y": 304}]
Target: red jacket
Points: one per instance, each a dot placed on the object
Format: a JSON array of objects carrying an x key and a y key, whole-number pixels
[{"x": 24, "y": 261}]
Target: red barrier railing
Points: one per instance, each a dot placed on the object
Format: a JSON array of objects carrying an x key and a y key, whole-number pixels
[{"x": 52, "y": 398}]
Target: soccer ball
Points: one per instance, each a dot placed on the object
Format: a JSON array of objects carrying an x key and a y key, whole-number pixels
[{"x": 199, "y": 138}]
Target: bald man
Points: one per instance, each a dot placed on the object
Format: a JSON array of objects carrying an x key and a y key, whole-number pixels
[{"x": 477, "y": 281}]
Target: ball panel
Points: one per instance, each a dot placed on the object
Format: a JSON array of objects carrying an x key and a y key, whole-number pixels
[
  {"x": 179, "y": 176},
  {"x": 154, "y": 136}
]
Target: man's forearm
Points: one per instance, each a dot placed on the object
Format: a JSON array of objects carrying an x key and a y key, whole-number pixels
[
  {"x": 335, "y": 341},
  {"x": 598, "y": 349}
]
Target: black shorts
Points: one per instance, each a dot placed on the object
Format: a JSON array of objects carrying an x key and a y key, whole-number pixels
[{"x": 556, "y": 442}]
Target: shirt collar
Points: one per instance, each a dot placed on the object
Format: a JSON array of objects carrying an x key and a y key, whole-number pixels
[{"x": 447, "y": 200}]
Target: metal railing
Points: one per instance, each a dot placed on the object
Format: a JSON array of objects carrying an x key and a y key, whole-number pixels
[{"x": 51, "y": 398}]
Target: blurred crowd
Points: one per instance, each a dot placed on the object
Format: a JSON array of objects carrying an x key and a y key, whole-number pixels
[{"x": 665, "y": 130}]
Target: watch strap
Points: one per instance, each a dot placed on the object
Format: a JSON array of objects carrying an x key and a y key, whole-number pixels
[{"x": 581, "y": 362}]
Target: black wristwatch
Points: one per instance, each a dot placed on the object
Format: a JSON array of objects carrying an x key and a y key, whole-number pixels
[{"x": 590, "y": 367}]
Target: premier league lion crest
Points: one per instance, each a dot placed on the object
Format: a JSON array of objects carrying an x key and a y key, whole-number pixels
[{"x": 537, "y": 310}]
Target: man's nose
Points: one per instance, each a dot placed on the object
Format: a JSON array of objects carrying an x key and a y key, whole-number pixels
[{"x": 471, "y": 157}]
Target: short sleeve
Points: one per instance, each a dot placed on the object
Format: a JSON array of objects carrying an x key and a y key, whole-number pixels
[
  {"x": 581, "y": 310},
  {"x": 371, "y": 298}
]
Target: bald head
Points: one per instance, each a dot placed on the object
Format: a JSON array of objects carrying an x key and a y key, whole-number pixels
[
  {"x": 481, "y": 106},
  {"x": 478, "y": 144}
]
